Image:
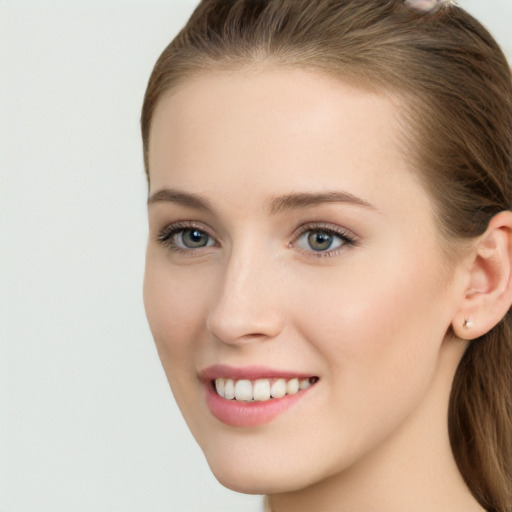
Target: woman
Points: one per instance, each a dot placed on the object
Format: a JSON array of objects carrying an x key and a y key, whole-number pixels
[{"x": 328, "y": 274}]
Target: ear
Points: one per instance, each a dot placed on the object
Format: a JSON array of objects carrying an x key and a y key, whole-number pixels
[{"x": 488, "y": 295}]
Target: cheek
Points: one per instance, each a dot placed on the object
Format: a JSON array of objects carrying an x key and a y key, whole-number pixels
[
  {"x": 173, "y": 301},
  {"x": 173, "y": 304},
  {"x": 378, "y": 326}
]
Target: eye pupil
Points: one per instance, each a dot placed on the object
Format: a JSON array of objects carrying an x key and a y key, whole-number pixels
[
  {"x": 320, "y": 240},
  {"x": 193, "y": 238}
]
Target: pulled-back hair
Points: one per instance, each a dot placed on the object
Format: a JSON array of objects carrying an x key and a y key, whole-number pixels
[{"x": 454, "y": 90}]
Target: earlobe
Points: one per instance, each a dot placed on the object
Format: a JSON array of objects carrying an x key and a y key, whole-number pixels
[{"x": 488, "y": 295}]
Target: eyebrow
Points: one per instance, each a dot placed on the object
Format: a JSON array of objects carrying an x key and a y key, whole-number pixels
[
  {"x": 308, "y": 200},
  {"x": 167, "y": 195},
  {"x": 288, "y": 202}
]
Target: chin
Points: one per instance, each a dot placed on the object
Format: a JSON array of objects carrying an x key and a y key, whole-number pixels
[
  {"x": 272, "y": 478},
  {"x": 252, "y": 483},
  {"x": 245, "y": 485}
]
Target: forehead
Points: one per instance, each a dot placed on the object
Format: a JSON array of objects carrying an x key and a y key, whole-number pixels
[{"x": 276, "y": 128}]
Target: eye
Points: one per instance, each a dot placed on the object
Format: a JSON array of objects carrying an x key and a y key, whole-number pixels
[
  {"x": 322, "y": 240},
  {"x": 180, "y": 237},
  {"x": 319, "y": 241},
  {"x": 192, "y": 238}
]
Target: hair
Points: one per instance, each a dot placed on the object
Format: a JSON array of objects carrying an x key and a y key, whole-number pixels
[{"x": 455, "y": 92}]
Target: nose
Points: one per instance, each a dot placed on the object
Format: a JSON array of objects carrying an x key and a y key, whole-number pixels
[{"x": 246, "y": 306}]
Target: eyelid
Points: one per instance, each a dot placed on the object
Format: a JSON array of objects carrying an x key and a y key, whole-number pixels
[
  {"x": 164, "y": 236},
  {"x": 348, "y": 237}
]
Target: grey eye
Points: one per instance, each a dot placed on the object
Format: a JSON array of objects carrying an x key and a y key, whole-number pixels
[
  {"x": 319, "y": 241},
  {"x": 192, "y": 238}
]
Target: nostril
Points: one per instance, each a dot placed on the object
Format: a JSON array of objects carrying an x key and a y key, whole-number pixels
[{"x": 240, "y": 317}]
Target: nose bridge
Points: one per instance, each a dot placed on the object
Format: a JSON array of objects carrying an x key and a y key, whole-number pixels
[{"x": 246, "y": 306}]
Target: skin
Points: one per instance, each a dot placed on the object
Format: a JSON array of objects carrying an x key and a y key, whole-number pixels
[{"x": 369, "y": 318}]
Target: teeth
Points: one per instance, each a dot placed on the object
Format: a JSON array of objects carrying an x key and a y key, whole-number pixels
[
  {"x": 229, "y": 389},
  {"x": 305, "y": 383},
  {"x": 260, "y": 390},
  {"x": 292, "y": 386},
  {"x": 220, "y": 385},
  {"x": 243, "y": 390},
  {"x": 278, "y": 388}
]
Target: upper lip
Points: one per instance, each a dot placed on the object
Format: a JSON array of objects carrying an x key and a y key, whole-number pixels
[{"x": 248, "y": 372}]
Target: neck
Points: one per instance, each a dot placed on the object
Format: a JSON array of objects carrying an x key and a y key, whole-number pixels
[{"x": 413, "y": 469}]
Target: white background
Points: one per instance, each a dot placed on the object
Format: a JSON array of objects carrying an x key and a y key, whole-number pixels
[{"x": 87, "y": 422}]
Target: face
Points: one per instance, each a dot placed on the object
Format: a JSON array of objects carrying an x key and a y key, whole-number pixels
[{"x": 291, "y": 253}]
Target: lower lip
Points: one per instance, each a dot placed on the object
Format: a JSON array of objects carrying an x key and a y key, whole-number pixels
[{"x": 248, "y": 414}]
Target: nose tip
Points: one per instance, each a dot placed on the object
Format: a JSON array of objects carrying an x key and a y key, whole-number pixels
[
  {"x": 245, "y": 309},
  {"x": 238, "y": 326}
]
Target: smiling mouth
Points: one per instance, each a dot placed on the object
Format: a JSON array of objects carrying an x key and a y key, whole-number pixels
[{"x": 260, "y": 390}]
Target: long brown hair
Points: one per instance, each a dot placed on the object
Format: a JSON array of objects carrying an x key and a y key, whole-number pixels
[{"x": 455, "y": 93}]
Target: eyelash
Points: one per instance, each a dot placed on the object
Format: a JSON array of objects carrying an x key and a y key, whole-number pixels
[
  {"x": 347, "y": 238},
  {"x": 167, "y": 234}
]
